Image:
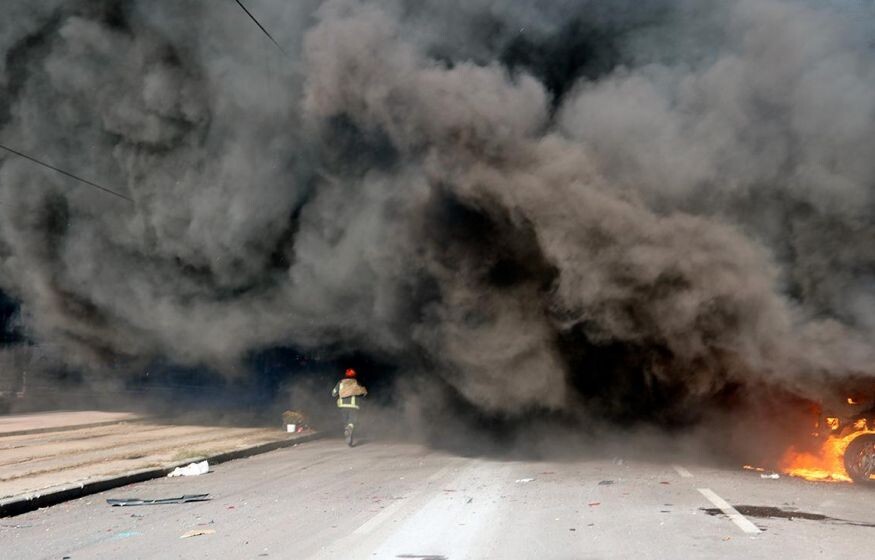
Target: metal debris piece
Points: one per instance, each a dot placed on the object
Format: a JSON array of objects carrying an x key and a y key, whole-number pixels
[
  {"x": 158, "y": 501},
  {"x": 606, "y": 483},
  {"x": 773, "y": 476},
  {"x": 196, "y": 533},
  {"x": 524, "y": 480}
]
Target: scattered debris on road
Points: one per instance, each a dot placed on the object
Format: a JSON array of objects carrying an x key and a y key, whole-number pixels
[
  {"x": 593, "y": 504},
  {"x": 196, "y": 533},
  {"x": 773, "y": 476},
  {"x": 192, "y": 469},
  {"x": 524, "y": 480},
  {"x": 158, "y": 501},
  {"x": 606, "y": 482}
]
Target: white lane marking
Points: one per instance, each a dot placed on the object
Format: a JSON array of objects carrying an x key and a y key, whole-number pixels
[
  {"x": 743, "y": 523},
  {"x": 384, "y": 515},
  {"x": 449, "y": 525},
  {"x": 682, "y": 471},
  {"x": 378, "y": 519}
]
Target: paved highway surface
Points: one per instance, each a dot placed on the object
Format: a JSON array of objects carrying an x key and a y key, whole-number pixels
[{"x": 397, "y": 500}]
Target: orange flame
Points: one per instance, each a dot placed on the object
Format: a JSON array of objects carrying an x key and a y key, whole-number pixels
[{"x": 827, "y": 463}]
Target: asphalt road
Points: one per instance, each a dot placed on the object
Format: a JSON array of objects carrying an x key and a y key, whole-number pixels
[{"x": 398, "y": 500}]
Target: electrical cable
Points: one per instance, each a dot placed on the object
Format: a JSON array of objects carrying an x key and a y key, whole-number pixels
[
  {"x": 265, "y": 31},
  {"x": 66, "y": 173}
]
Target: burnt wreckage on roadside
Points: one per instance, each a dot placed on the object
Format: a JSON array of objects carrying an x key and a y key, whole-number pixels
[{"x": 856, "y": 415}]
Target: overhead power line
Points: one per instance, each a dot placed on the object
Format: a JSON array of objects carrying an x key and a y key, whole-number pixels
[
  {"x": 101, "y": 187},
  {"x": 263, "y": 30},
  {"x": 66, "y": 173}
]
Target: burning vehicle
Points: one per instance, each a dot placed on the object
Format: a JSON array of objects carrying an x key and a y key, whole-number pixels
[
  {"x": 843, "y": 445},
  {"x": 856, "y": 429}
]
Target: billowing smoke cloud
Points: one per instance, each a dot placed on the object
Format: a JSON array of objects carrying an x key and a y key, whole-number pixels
[{"x": 624, "y": 207}]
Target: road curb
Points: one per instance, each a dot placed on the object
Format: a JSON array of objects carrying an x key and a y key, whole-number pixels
[{"x": 22, "y": 504}]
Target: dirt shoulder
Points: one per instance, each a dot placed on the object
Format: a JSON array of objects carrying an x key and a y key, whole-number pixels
[{"x": 58, "y": 456}]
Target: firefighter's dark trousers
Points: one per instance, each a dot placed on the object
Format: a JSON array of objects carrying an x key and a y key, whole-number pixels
[{"x": 350, "y": 415}]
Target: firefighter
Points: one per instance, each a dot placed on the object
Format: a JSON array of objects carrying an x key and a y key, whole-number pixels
[{"x": 349, "y": 395}]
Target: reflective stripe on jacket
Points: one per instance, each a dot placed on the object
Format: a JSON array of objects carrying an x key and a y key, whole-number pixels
[{"x": 348, "y": 402}]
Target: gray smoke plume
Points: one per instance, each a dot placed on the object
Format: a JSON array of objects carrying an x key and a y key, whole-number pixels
[{"x": 620, "y": 207}]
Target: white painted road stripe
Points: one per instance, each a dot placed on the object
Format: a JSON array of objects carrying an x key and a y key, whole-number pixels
[
  {"x": 450, "y": 525},
  {"x": 378, "y": 519},
  {"x": 683, "y": 472},
  {"x": 743, "y": 523}
]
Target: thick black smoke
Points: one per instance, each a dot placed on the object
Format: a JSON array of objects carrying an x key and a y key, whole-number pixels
[{"x": 611, "y": 206}]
